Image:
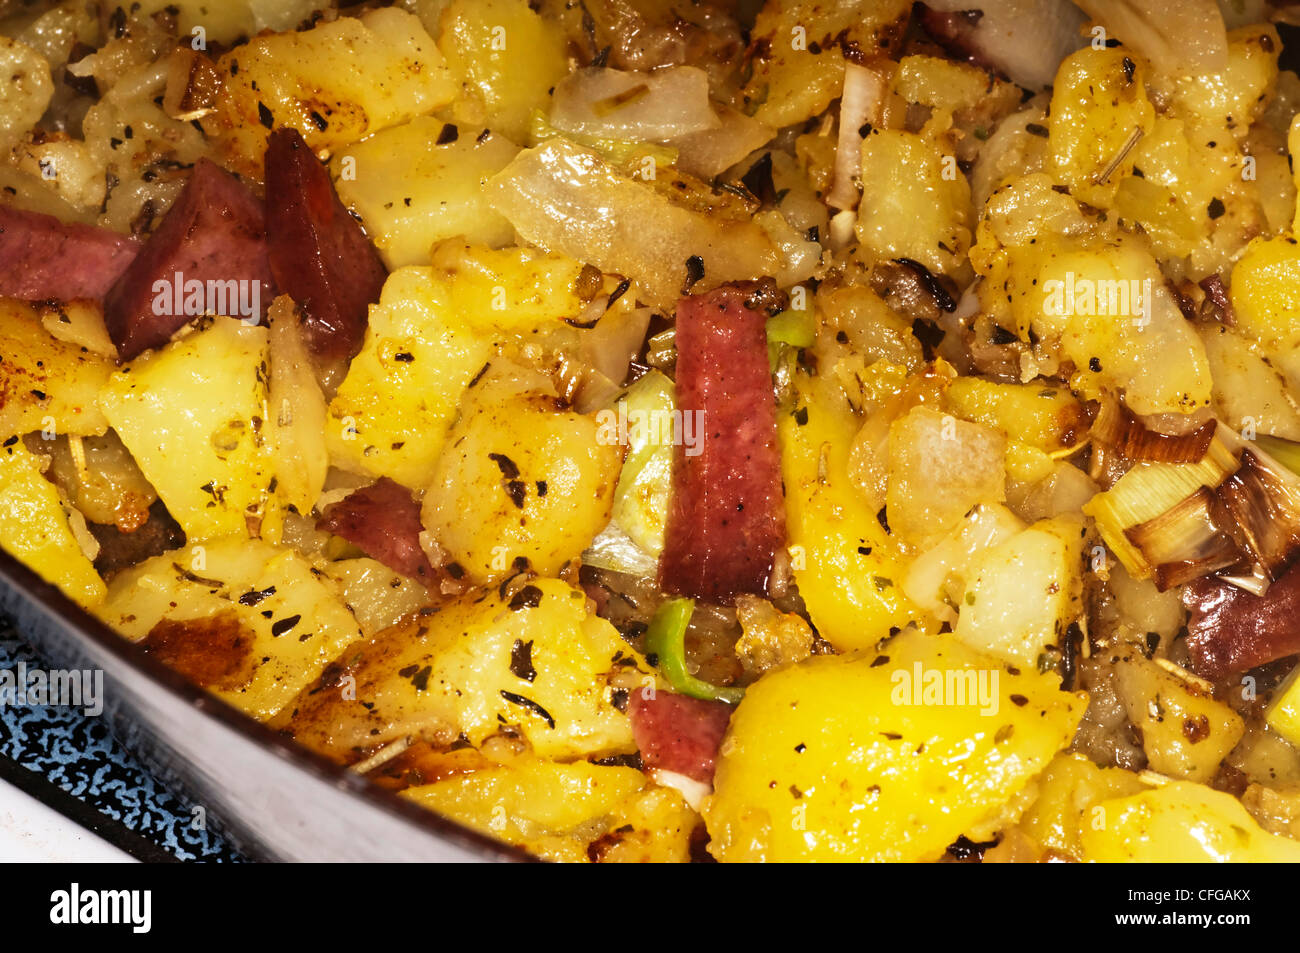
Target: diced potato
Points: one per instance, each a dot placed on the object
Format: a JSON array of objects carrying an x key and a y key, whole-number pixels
[
  {"x": 1185, "y": 732},
  {"x": 79, "y": 323},
  {"x": 887, "y": 394},
  {"x": 231, "y": 20},
  {"x": 1265, "y": 293},
  {"x": 1249, "y": 393},
  {"x": 1180, "y": 823},
  {"x": 335, "y": 83},
  {"x": 798, "y": 68},
  {"x": 1239, "y": 93},
  {"x": 1185, "y": 171},
  {"x": 1283, "y": 714},
  {"x": 377, "y": 596},
  {"x": 68, "y": 167},
  {"x": 248, "y": 621},
  {"x": 1143, "y": 608},
  {"x": 569, "y": 812},
  {"x": 520, "y": 480},
  {"x": 535, "y": 664},
  {"x": 393, "y": 410},
  {"x": 874, "y": 331},
  {"x": 945, "y": 84},
  {"x": 412, "y": 189},
  {"x": 1022, "y": 594},
  {"x": 46, "y": 384},
  {"x": 1099, "y": 105},
  {"x": 915, "y": 201},
  {"x": 101, "y": 480},
  {"x": 843, "y": 560},
  {"x": 132, "y": 142},
  {"x": 936, "y": 580},
  {"x": 1046, "y": 417},
  {"x": 34, "y": 526},
  {"x": 1020, "y": 213},
  {"x": 855, "y": 758},
  {"x": 1108, "y": 308},
  {"x": 1069, "y": 787},
  {"x": 193, "y": 416},
  {"x": 509, "y": 289},
  {"x": 770, "y": 638},
  {"x": 939, "y": 467},
  {"x": 506, "y": 58},
  {"x": 27, "y": 89}
]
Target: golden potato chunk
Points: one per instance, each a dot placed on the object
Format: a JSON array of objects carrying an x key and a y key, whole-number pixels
[
  {"x": 34, "y": 526},
  {"x": 533, "y": 666},
  {"x": 250, "y": 622},
  {"x": 569, "y": 812},
  {"x": 335, "y": 83},
  {"x": 884, "y": 757},
  {"x": 519, "y": 479},
  {"x": 46, "y": 384}
]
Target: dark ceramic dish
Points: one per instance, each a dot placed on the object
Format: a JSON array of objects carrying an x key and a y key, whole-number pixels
[{"x": 271, "y": 798}]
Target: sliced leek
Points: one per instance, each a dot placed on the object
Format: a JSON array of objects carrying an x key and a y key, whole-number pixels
[{"x": 1146, "y": 492}]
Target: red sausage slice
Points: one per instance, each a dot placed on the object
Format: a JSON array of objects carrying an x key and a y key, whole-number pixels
[
  {"x": 383, "y": 520},
  {"x": 1230, "y": 630},
  {"x": 207, "y": 256},
  {"x": 320, "y": 255},
  {"x": 728, "y": 511},
  {"x": 43, "y": 258},
  {"x": 678, "y": 733}
]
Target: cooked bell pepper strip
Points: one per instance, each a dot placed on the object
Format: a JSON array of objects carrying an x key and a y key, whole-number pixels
[{"x": 666, "y": 639}]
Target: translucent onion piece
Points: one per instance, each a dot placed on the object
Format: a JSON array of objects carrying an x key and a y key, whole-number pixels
[
  {"x": 1188, "y": 35},
  {"x": 619, "y": 104},
  {"x": 564, "y": 198},
  {"x": 860, "y": 105}
]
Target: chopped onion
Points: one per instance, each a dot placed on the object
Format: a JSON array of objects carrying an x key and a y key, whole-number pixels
[
  {"x": 1188, "y": 35},
  {"x": 296, "y": 409},
  {"x": 614, "y": 550},
  {"x": 567, "y": 199},
  {"x": 1025, "y": 39},
  {"x": 693, "y": 792},
  {"x": 711, "y": 152},
  {"x": 860, "y": 105},
  {"x": 193, "y": 85},
  {"x": 615, "y": 341},
  {"x": 617, "y": 104}
]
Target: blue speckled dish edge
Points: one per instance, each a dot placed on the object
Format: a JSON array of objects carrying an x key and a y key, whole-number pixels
[{"x": 271, "y": 798}]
